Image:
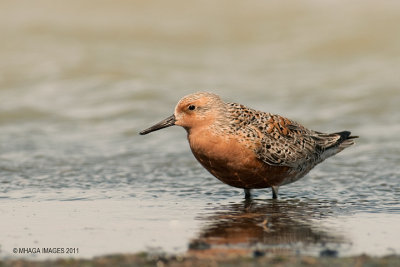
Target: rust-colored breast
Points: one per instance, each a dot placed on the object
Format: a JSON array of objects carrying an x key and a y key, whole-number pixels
[{"x": 235, "y": 163}]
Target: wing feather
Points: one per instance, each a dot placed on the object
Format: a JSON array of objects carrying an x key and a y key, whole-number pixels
[{"x": 279, "y": 141}]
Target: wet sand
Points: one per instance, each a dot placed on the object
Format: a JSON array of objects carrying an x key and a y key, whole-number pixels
[{"x": 196, "y": 229}]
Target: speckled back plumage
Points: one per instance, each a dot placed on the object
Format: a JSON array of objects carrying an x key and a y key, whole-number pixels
[{"x": 283, "y": 142}]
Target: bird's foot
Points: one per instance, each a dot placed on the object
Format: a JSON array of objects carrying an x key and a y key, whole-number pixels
[
  {"x": 275, "y": 192},
  {"x": 247, "y": 194}
]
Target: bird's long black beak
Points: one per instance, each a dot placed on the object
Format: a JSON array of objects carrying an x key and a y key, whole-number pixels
[{"x": 170, "y": 121}]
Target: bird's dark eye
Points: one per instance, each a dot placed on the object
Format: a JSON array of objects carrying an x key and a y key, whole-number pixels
[{"x": 191, "y": 107}]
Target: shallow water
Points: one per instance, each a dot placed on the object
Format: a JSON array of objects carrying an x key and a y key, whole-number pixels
[{"x": 79, "y": 80}]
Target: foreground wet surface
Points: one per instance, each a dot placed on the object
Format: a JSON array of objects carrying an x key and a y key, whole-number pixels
[
  {"x": 260, "y": 227},
  {"x": 249, "y": 228}
]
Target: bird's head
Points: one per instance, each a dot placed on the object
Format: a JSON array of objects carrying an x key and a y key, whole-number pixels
[{"x": 192, "y": 111}]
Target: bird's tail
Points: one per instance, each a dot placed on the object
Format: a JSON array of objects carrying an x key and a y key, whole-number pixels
[
  {"x": 345, "y": 140},
  {"x": 333, "y": 143}
]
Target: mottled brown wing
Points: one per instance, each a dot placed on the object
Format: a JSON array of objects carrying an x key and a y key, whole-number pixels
[
  {"x": 287, "y": 143},
  {"x": 277, "y": 140}
]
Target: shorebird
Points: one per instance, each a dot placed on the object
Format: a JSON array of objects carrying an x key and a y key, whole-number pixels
[{"x": 250, "y": 149}]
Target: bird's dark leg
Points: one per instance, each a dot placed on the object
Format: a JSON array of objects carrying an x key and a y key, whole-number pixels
[
  {"x": 247, "y": 194},
  {"x": 275, "y": 192}
]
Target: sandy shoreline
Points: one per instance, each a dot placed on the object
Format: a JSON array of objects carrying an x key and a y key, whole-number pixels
[{"x": 146, "y": 259}]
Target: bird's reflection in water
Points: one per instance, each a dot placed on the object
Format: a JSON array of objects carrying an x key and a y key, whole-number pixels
[{"x": 263, "y": 226}]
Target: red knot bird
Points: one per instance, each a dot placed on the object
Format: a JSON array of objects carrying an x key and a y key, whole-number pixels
[{"x": 247, "y": 148}]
